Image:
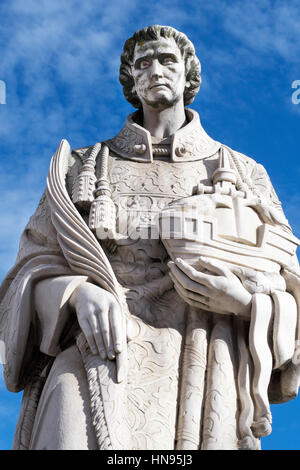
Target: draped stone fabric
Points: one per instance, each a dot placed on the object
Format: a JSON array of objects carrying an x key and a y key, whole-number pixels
[{"x": 176, "y": 355}]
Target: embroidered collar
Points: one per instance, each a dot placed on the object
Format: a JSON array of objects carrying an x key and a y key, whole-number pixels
[{"x": 189, "y": 143}]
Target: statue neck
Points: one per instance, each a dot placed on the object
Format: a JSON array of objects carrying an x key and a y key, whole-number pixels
[{"x": 164, "y": 122}]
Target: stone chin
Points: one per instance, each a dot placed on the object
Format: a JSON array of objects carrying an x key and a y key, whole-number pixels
[{"x": 164, "y": 100}]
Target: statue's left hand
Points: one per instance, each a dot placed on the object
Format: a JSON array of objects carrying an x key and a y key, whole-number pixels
[{"x": 216, "y": 290}]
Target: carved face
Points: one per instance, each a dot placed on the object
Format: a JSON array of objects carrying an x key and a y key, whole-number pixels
[{"x": 159, "y": 72}]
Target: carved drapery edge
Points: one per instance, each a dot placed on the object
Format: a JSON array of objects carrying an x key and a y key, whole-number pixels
[
  {"x": 247, "y": 440},
  {"x": 188, "y": 433},
  {"x": 96, "y": 401},
  {"x": 259, "y": 342},
  {"x": 31, "y": 398},
  {"x": 220, "y": 430}
]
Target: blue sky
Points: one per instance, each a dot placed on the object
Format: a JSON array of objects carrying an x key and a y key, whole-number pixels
[{"x": 60, "y": 61}]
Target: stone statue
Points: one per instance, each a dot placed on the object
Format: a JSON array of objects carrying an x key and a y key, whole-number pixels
[{"x": 154, "y": 300}]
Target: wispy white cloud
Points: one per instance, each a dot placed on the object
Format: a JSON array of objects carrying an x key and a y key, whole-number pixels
[{"x": 266, "y": 27}]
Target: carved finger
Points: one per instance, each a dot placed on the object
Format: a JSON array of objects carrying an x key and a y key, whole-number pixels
[
  {"x": 195, "y": 300},
  {"x": 215, "y": 267},
  {"x": 87, "y": 331},
  {"x": 121, "y": 358},
  {"x": 192, "y": 303},
  {"x": 185, "y": 280},
  {"x": 93, "y": 321},
  {"x": 116, "y": 326},
  {"x": 185, "y": 285},
  {"x": 105, "y": 331},
  {"x": 192, "y": 295},
  {"x": 121, "y": 365},
  {"x": 194, "y": 274},
  {"x": 198, "y": 298}
]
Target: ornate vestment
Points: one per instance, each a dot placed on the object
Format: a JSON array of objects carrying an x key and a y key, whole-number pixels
[{"x": 71, "y": 397}]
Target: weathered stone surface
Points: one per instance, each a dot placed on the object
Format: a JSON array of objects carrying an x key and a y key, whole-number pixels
[{"x": 154, "y": 303}]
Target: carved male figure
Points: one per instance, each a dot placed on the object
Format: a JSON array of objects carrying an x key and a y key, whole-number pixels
[{"x": 115, "y": 345}]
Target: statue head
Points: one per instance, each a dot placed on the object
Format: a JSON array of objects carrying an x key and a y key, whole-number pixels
[{"x": 158, "y": 33}]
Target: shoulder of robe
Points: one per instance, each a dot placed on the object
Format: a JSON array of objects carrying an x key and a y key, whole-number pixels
[
  {"x": 245, "y": 158},
  {"x": 257, "y": 173},
  {"x": 81, "y": 152},
  {"x": 252, "y": 167}
]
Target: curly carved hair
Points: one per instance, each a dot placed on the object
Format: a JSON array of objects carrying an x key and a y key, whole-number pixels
[{"x": 151, "y": 33}]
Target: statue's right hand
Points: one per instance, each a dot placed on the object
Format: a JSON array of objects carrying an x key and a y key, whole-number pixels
[{"x": 100, "y": 319}]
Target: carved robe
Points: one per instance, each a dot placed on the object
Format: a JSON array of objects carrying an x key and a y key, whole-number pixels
[{"x": 71, "y": 398}]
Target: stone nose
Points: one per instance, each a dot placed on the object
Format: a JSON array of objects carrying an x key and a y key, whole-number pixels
[{"x": 156, "y": 69}]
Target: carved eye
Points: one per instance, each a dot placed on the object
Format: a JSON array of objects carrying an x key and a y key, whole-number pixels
[
  {"x": 144, "y": 64},
  {"x": 168, "y": 61}
]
